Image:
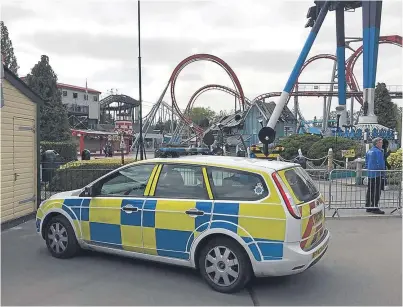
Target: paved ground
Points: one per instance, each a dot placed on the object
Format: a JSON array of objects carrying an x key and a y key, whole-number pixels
[{"x": 363, "y": 266}]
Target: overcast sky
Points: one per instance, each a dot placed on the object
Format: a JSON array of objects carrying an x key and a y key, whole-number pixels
[{"x": 260, "y": 40}]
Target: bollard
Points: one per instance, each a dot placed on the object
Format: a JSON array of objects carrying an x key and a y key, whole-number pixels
[
  {"x": 358, "y": 177},
  {"x": 330, "y": 160}
]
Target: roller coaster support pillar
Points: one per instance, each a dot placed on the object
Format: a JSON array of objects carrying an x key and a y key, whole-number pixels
[
  {"x": 341, "y": 59},
  {"x": 297, "y": 68},
  {"x": 371, "y": 23}
]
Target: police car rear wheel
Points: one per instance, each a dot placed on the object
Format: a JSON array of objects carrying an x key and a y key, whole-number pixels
[
  {"x": 60, "y": 238},
  {"x": 224, "y": 265}
]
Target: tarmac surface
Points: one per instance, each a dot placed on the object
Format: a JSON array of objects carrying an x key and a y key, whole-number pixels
[{"x": 363, "y": 266}]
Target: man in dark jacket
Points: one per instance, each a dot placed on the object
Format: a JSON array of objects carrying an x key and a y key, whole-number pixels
[{"x": 375, "y": 164}]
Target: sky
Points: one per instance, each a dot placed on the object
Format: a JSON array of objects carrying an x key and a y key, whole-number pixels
[{"x": 259, "y": 39}]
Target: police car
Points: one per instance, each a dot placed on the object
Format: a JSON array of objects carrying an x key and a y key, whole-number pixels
[{"x": 231, "y": 218}]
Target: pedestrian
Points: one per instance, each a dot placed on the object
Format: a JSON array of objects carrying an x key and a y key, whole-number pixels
[{"x": 375, "y": 164}]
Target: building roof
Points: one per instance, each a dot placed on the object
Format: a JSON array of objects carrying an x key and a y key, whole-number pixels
[
  {"x": 77, "y": 88},
  {"x": 73, "y": 87},
  {"x": 19, "y": 84}
]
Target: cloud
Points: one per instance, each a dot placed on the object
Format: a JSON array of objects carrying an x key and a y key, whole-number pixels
[{"x": 13, "y": 13}]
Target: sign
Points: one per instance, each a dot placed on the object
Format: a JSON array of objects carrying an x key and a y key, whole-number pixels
[{"x": 349, "y": 153}]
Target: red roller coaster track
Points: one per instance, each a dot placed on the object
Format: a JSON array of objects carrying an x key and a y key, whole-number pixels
[
  {"x": 202, "y": 57},
  {"x": 238, "y": 92}
]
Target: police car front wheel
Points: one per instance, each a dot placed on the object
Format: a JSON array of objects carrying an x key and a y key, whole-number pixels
[
  {"x": 60, "y": 238},
  {"x": 225, "y": 265}
]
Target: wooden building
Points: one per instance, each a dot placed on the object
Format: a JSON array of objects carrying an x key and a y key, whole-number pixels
[{"x": 19, "y": 139}]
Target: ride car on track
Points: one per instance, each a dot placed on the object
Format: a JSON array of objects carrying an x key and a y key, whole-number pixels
[{"x": 229, "y": 217}]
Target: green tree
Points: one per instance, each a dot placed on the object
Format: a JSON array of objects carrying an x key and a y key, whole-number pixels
[
  {"x": 54, "y": 124},
  {"x": 385, "y": 109},
  {"x": 202, "y": 116},
  {"x": 7, "y": 50}
]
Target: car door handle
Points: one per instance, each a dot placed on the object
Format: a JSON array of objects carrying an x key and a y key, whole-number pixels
[
  {"x": 194, "y": 212},
  {"x": 130, "y": 209}
]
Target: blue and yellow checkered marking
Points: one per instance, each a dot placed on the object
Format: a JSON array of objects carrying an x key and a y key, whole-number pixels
[
  {"x": 168, "y": 231},
  {"x": 162, "y": 227}
]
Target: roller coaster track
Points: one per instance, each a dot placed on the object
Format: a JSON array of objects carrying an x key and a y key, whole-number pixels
[{"x": 238, "y": 92}]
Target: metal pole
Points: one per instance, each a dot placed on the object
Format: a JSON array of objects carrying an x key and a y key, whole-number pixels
[
  {"x": 141, "y": 144},
  {"x": 297, "y": 68},
  {"x": 329, "y": 99},
  {"x": 341, "y": 60},
  {"x": 371, "y": 19},
  {"x": 324, "y": 117},
  {"x": 352, "y": 111}
]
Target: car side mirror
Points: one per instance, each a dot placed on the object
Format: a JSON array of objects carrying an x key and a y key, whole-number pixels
[{"x": 88, "y": 191}]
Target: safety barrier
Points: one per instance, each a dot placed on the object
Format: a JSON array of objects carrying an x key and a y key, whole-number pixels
[{"x": 364, "y": 189}]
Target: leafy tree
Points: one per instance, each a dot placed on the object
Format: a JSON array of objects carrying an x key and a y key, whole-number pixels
[
  {"x": 202, "y": 116},
  {"x": 7, "y": 50},
  {"x": 294, "y": 142},
  {"x": 385, "y": 109},
  {"x": 54, "y": 124}
]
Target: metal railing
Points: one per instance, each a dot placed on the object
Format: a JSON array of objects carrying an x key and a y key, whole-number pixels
[
  {"x": 341, "y": 188},
  {"x": 365, "y": 189}
]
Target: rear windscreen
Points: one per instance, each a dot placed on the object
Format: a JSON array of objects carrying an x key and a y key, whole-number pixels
[{"x": 301, "y": 184}]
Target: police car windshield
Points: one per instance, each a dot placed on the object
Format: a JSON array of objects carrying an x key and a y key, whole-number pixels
[{"x": 301, "y": 184}]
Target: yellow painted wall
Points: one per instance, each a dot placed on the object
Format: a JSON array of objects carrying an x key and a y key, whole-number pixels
[{"x": 18, "y": 154}]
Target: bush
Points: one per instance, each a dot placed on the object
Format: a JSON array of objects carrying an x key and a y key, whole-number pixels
[
  {"x": 395, "y": 159},
  {"x": 321, "y": 148},
  {"x": 294, "y": 142},
  {"x": 77, "y": 174},
  {"x": 66, "y": 150}
]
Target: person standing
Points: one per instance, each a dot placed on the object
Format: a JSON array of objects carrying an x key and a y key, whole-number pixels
[{"x": 375, "y": 164}]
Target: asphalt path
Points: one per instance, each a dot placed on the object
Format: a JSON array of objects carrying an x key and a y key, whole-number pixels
[{"x": 363, "y": 266}]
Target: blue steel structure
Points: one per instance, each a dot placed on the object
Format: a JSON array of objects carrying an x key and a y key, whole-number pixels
[{"x": 371, "y": 16}]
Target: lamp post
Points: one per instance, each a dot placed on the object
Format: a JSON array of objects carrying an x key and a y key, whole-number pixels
[{"x": 141, "y": 144}]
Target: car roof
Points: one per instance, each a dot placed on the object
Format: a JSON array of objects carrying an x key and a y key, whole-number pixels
[{"x": 224, "y": 161}]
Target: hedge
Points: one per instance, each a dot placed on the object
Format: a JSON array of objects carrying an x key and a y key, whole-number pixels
[
  {"x": 395, "y": 159},
  {"x": 66, "y": 150},
  {"x": 294, "y": 142},
  {"x": 77, "y": 174},
  {"x": 321, "y": 148}
]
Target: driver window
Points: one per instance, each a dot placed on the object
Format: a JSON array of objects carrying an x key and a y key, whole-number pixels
[{"x": 129, "y": 182}]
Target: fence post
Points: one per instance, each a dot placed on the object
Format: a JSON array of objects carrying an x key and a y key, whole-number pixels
[
  {"x": 358, "y": 177},
  {"x": 330, "y": 161}
]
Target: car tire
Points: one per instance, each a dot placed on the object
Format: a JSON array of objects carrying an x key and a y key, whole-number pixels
[
  {"x": 60, "y": 238},
  {"x": 230, "y": 270}
]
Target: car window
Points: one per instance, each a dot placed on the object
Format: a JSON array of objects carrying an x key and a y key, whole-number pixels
[
  {"x": 236, "y": 185},
  {"x": 301, "y": 184},
  {"x": 130, "y": 181},
  {"x": 181, "y": 181}
]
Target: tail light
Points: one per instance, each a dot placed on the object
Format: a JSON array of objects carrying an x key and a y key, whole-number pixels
[{"x": 289, "y": 202}]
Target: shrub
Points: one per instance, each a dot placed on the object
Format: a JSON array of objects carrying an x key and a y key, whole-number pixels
[
  {"x": 294, "y": 142},
  {"x": 395, "y": 159},
  {"x": 77, "y": 174},
  {"x": 321, "y": 148},
  {"x": 66, "y": 150}
]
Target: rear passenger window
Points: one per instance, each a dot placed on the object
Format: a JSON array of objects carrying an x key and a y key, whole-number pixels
[
  {"x": 301, "y": 184},
  {"x": 236, "y": 185},
  {"x": 181, "y": 181}
]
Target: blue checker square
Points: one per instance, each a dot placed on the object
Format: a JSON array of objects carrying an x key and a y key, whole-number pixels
[
  {"x": 149, "y": 213},
  {"x": 131, "y": 218},
  {"x": 106, "y": 233},
  {"x": 271, "y": 250},
  {"x": 73, "y": 212},
  {"x": 226, "y": 208},
  {"x": 225, "y": 225},
  {"x": 171, "y": 254},
  {"x": 255, "y": 252},
  {"x": 72, "y": 202},
  {"x": 85, "y": 214},
  {"x": 173, "y": 240}
]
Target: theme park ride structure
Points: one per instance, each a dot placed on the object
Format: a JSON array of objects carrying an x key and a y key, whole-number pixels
[{"x": 371, "y": 24}]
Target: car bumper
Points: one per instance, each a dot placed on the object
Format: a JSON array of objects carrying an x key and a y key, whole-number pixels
[{"x": 295, "y": 260}]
